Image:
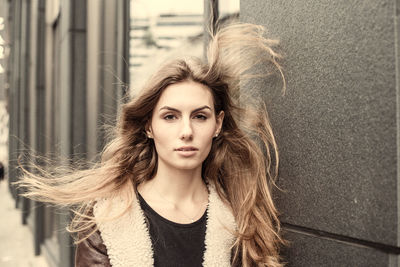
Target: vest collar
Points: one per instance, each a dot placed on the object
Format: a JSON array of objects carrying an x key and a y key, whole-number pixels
[{"x": 128, "y": 240}]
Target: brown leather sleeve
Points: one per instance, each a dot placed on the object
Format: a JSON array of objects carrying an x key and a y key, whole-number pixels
[{"x": 92, "y": 252}]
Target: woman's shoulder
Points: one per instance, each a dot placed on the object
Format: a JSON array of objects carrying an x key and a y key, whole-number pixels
[
  {"x": 113, "y": 206},
  {"x": 123, "y": 229},
  {"x": 92, "y": 252},
  {"x": 222, "y": 208}
]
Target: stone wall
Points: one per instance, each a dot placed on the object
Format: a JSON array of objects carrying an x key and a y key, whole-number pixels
[{"x": 336, "y": 127}]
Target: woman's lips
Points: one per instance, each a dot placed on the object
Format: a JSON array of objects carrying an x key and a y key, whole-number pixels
[
  {"x": 186, "y": 151},
  {"x": 187, "y": 148}
]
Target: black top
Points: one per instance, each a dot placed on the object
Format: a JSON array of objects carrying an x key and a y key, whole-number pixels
[{"x": 175, "y": 244}]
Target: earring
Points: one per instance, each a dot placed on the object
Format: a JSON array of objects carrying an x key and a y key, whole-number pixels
[
  {"x": 148, "y": 134},
  {"x": 216, "y": 135}
]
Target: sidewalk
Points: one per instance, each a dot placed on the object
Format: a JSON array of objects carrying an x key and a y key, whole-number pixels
[{"x": 16, "y": 240}]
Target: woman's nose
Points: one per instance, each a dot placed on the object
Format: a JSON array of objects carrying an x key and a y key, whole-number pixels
[{"x": 187, "y": 130}]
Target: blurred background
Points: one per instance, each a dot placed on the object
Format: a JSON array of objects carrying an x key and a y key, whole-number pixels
[{"x": 67, "y": 65}]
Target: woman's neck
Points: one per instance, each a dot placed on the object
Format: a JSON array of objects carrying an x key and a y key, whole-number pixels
[{"x": 176, "y": 186}]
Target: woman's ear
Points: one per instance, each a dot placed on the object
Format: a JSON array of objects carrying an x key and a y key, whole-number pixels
[
  {"x": 220, "y": 120},
  {"x": 149, "y": 131}
]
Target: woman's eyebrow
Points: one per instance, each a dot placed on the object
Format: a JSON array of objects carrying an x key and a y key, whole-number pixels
[{"x": 177, "y": 110}]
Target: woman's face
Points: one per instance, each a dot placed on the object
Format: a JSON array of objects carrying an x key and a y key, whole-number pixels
[{"x": 183, "y": 125}]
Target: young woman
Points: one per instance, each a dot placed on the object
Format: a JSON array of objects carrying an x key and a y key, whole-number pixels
[{"x": 186, "y": 180}]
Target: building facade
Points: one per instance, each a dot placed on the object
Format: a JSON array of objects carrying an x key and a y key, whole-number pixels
[
  {"x": 66, "y": 76},
  {"x": 337, "y": 128}
]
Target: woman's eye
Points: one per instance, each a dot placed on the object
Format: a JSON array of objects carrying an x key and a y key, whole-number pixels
[
  {"x": 169, "y": 117},
  {"x": 200, "y": 117}
]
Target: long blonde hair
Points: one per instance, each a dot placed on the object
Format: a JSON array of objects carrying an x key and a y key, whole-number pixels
[{"x": 242, "y": 163}]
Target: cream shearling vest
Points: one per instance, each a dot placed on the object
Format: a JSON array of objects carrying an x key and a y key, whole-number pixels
[{"x": 128, "y": 240}]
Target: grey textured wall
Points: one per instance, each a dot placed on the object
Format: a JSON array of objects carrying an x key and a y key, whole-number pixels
[{"x": 337, "y": 128}]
